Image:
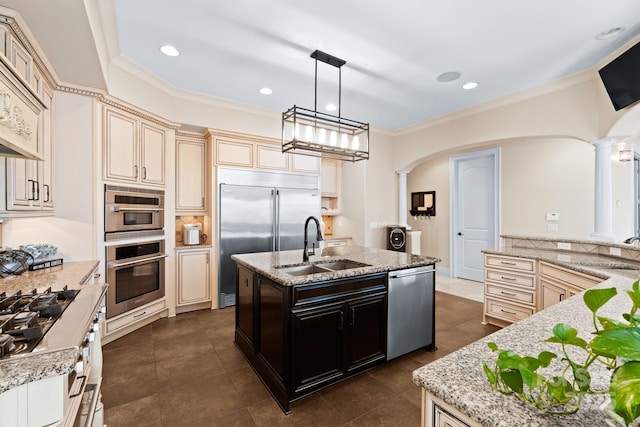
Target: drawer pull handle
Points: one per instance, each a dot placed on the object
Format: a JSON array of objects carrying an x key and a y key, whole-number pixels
[
  {"x": 507, "y": 263},
  {"x": 507, "y": 293},
  {"x": 508, "y": 312},
  {"x": 139, "y": 315},
  {"x": 508, "y": 278}
]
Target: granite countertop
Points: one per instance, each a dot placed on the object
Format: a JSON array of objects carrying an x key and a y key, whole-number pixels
[
  {"x": 458, "y": 377},
  {"x": 377, "y": 260},
  {"x": 52, "y": 357}
]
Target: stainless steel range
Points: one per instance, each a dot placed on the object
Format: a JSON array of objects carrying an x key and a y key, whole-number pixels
[{"x": 26, "y": 318}]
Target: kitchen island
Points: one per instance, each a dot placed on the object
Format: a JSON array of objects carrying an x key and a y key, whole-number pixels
[
  {"x": 455, "y": 389},
  {"x": 306, "y": 325}
]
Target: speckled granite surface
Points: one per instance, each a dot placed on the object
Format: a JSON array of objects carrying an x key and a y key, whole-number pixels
[
  {"x": 55, "y": 357},
  {"x": 459, "y": 380},
  {"x": 378, "y": 260}
]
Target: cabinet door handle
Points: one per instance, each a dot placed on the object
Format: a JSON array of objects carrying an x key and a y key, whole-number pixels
[
  {"x": 48, "y": 195},
  {"x": 135, "y": 171},
  {"x": 507, "y": 293},
  {"x": 341, "y": 320},
  {"x": 353, "y": 316},
  {"x": 246, "y": 282},
  {"x": 144, "y": 172},
  {"x": 561, "y": 297},
  {"x": 37, "y": 190},
  {"x": 508, "y": 312},
  {"x": 33, "y": 189},
  {"x": 508, "y": 278}
]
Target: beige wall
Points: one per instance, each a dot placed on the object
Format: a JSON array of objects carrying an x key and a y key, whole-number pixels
[{"x": 538, "y": 176}]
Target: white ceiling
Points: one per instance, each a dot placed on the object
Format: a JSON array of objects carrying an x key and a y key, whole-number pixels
[{"x": 394, "y": 50}]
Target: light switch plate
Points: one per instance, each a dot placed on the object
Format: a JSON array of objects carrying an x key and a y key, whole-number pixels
[
  {"x": 615, "y": 251},
  {"x": 553, "y": 216},
  {"x": 552, "y": 227},
  {"x": 564, "y": 245}
]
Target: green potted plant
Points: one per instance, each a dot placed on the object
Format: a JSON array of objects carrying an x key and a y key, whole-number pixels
[{"x": 615, "y": 343}]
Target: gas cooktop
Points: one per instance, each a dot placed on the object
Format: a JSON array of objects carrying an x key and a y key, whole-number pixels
[{"x": 26, "y": 318}]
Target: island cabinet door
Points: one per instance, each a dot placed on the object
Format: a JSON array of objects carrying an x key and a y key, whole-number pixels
[
  {"x": 317, "y": 346},
  {"x": 244, "y": 303},
  {"x": 367, "y": 336}
]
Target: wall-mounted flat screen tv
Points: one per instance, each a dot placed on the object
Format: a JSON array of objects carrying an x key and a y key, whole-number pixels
[{"x": 621, "y": 78}]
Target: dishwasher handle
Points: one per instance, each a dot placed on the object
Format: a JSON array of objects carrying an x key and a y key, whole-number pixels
[{"x": 411, "y": 272}]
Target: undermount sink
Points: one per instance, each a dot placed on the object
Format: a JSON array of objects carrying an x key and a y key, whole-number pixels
[
  {"x": 344, "y": 264},
  {"x": 320, "y": 267}
]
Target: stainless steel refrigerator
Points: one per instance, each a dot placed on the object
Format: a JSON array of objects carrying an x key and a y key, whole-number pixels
[{"x": 261, "y": 212}]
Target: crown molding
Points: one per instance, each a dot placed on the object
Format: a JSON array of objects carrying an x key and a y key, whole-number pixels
[
  {"x": 80, "y": 90},
  {"x": 523, "y": 95},
  {"x": 107, "y": 100},
  {"x": 20, "y": 29}
]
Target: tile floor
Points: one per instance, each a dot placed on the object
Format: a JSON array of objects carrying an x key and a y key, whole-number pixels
[{"x": 186, "y": 371}]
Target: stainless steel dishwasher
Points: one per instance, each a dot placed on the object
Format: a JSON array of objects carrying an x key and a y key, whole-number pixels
[{"x": 411, "y": 313}]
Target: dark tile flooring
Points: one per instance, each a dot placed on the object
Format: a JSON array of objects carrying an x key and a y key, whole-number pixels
[{"x": 186, "y": 371}]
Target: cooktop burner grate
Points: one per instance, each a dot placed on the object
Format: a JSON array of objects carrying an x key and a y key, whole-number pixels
[{"x": 26, "y": 318}]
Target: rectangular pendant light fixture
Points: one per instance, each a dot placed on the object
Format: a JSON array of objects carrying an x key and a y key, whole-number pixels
[{"x": 313, "y": 133}]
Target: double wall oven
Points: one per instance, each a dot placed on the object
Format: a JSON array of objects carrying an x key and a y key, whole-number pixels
[{"x": 135, "y": 270}]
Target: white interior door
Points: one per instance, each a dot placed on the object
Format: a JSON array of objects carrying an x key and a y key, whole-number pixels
[{"x": 474, "y": 213}]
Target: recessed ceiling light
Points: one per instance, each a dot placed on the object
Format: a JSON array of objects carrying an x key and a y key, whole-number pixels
[
  {"x": 470, "y": 85},
  {"x": 169, "y": 50},
  {"x": 266, "y": 91},
  {"x": 330, "y": 107},
  {"x": 610, "y": 33},
  {"x": 449, "y": 76}
]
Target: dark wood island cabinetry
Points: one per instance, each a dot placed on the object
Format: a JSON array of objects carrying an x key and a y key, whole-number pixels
[
  {"x": 306, "y": 325},
  {"x": 301, "y": 338}
]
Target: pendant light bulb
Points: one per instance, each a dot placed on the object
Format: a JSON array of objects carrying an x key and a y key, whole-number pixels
[
  {"x": 322, "y": 136},
  {"x": 333, "y": 138},
  {"x": 344, "y": 141}
]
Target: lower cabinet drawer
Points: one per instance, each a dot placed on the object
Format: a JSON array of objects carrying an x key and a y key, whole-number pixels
[
  {"x": 136, "y": 315},
  {"x": 509, "y": 293},
  {"x": 444, "y": 419},
  {"x": 505, "y": 310},
  {"x": 527, "y": 281}
]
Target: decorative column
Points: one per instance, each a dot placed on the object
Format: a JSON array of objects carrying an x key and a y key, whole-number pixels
[
  {"x": 402, "y": 198},
  {"x": 603, "y": 209}
]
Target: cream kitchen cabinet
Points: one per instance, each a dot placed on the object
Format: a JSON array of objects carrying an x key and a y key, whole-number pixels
[
  {"x": 191, "y": 174},
  {"x": 256, "y": 152},
  {"x": 510, "y": 289},
  {"x": 134, "y": 148},
  {"x": 330, "y": 182},
  {"x": 438, "y": 413},
  {"x": 30, "y": 183},
  {"x": 557, "y": 283},
  {"x": 193, "y": 278}
]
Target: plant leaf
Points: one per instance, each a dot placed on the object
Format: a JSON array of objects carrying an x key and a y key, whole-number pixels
[
  {"x": 489, "y": 373},
  {"x": 582, "y": 377},
  {"x": 577, "y": 341},
  {"x": 560, "y": 390},
  {"x": 493, "y": 346},
  {"x": 596, "y": 298},
  {"x": 513, "y": 379},
  {"x": 564, "y": 332},
  {"x": 634, "y": 293},
  {"x": 623, "y": 343},
  {"x": 608, "y": 323},
  {"x": 545, "y": 358},
  {"x": 530, "y": 378},
  {"x": 624, "y": 390}
]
